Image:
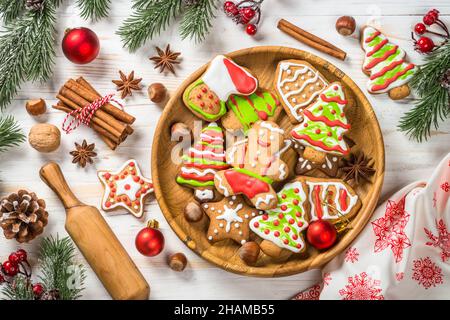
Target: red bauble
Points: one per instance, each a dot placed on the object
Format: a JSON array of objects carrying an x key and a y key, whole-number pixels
[
  {"x": 80, "y": 45},
  {"x": 22, "y": 254},
  {"x": 230, "y": 8},
  {"x": 425, "y": 45},
  {"x": 150, "y": 241},
  {"x": 10, "y": 268},
  {"x": 321, "y": 234},
  {"x": 251, "y": 29},
  {"x": 38, "y": 289},
  {"x": 420, "y": 28}
]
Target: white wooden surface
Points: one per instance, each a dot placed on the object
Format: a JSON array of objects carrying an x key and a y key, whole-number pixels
[{"x": 406, "y": 161}]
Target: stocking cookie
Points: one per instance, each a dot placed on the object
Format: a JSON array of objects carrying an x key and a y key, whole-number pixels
[
  {"x": 206, "y": 97},
  {"x": 256, "y": 164},
  {"x": 202, "y": 162},
  {"x": 229, "y": 219},
  {"x": 283, "y": 226},
  {"x": 246, "y": 110},
  {"x": 125, "y": 188},
  {"x": 298, "y": 84},
  {"x": 385, "y": 63},
  {"x": 305, "y": 167}
]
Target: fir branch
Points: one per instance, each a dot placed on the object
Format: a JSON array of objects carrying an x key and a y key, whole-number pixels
[
  {"x": 10, "y": 10},
  {"x": 94, "y": 9},
  {"x": 19, "y": 289},
  {"x": 434, "y": 100},
  {"x": 56, "y": 259},
  {"x": 196, "y": 21},
  {"x": 10, "y": 133},
  {"x": 148, "y": 21}
]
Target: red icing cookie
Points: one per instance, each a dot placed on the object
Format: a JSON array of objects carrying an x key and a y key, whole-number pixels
[{"x": 125, "y": 188}]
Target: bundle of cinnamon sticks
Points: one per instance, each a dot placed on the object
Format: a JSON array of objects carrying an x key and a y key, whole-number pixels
[{"x": 111, "y": 123}]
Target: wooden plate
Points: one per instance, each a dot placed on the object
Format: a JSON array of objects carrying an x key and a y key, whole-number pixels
[{"x": 172, "y": 198}]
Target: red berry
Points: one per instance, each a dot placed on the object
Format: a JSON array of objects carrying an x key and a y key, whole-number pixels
[
  {"x": 429, "y": 19},
  {"x": 14, "y": 258},
  {"x": 420, "y": 28},
  {"x": 434, "y": 13},
  {"x": 248, "y": 13},
  {"x": 38, "y": 289},
  {"x": 251, "y": 29},
  {"x": 10, "y": 269},
  {"x": 230, "y": 8},
  {"x": 22, "y": 254},
  {"x": 425, "y": 45}
]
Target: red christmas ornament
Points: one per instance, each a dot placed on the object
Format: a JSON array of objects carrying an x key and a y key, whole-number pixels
[
  {"x": 424, "y": 45},
  {"x": 38, "y": 289},
  {"x": 150, "y": 241},
  {"x": 251, "y": 29},
  {"x": 22, "y": 254},
  {"x": 420, "y": 28},
  {"x": 230, "y": 8},
  {"x": 321, "y": 234},
  {"x": 10, "y": 269},
  {"x": 80, "y": 45}
]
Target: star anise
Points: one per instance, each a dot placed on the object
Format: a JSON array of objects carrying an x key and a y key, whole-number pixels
[
  {"x": 358, "y": 166},
  {"x": 83, "y": 153},
  {"x": 165, "y": 59},
  {"x": 127, "y": 84}
]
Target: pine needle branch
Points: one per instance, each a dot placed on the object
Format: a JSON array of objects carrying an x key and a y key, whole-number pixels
[
  {"x": 196, "y": 21},
  {"x": 149, "y": 19},
  {"x": 94, "y": 9},
  {"x": 10, "y": 133},
  {"x": 19, "y": 289},
  {"x": 10, "y": 10}
]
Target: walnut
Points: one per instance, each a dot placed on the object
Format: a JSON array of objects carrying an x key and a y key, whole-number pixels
[{"x": 44, "y": 137}]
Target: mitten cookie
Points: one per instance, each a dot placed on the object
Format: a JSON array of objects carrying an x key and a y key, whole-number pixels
[
  {"x": 256, "y": 164},
  {"x": 246, "y": 110},
  {"x": 298, "y": 84},
  {"x": 202, "y": 162},
  {"x": 125, "y": 188},
  {"x": 229, "y": 219},
  {"x": 207, "y": 96},
  {"x": 385, "y": 63},
  {"x": 323, "y": 127},
  {"x": 283, "y": 225}
]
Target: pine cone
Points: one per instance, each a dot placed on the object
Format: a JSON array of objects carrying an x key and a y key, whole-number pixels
[
  {"x": 51, "y": 295},
  {"x": 22, "y": 216},
  {"x": 34, "y": 5}
]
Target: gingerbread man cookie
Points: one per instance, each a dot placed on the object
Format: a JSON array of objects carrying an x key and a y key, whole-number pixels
[
  {"x": 256, "y": 165},
  {"x": 229, "y": 219},
  {"x": 125, "y": 188},
  {"x": 206, "y": 97}
]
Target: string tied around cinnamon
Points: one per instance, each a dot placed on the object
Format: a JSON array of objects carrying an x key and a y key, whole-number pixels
[{"x": 85, "y": 114}]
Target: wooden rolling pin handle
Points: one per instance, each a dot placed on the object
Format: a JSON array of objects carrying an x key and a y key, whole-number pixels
[{"x": 51, "y": 174}]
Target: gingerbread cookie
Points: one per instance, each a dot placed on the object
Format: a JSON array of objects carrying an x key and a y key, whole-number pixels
[
  {"x": 125, "y": 188},
  {"x": 246, "y": 110},
  {"x": 229, "y": 219},
  {"x": 207, "y": 96},
  {"x": 298, "y": 84},
  {"x": 305, "y": 167},
  {"x": 256, "y": 165},
  {"x": 202, "y": 162},
  {"x": 284, "y": 225},
  {"x": 385, "y": 63}
]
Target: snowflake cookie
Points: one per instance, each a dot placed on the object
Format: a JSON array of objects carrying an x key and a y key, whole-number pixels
[
  {"x": 125, "y": 188},
  {"x": 229, "y": 219}
]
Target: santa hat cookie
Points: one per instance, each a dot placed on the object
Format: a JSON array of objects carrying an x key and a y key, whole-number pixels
[
  {"x": 125, "y": 188},
  {"x": 206, "y": 97}
]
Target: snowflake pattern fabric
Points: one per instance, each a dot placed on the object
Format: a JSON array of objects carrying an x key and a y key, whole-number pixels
[
  {"x": 442, "y": 240},
  {"x": 390, "y": 229},
  {"x": 362, "y": 287},
  {"x": 351, "y": 255},
  {"x": 427, "y": 273}
]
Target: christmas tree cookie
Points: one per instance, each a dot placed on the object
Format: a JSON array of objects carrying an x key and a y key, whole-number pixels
[
  {"x": 324, "y": 125},
  {"x": 206, "y": 97},
  {"x": 385, "y": 63},
  {"x": 202, "y": 162},
  {"x": 246, "y": 110},
  {"x": 283, "y": 225}
]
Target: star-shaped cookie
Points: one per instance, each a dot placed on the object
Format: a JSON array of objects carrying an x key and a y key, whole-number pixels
[
  {"x": 229, "y": 219},
  {"x": 125, "y": 188}
]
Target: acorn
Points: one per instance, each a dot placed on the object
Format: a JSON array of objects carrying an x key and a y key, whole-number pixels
[{"x": 346, "y": 25}]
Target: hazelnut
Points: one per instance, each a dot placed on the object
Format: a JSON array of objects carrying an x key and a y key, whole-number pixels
[
  {"x": 177, "y": 262},
  {"x": 193, "y": 212},
  {"x": 249, "y": 253},
  {"x": 345, "y": 25},
  {"x": 44, "y": 137},
  {"x": 36, "y": 107},
  {"x": 157, "y": 92},
  {"x": 179, "y": 131}
]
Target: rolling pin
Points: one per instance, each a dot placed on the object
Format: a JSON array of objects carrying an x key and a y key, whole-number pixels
[{"x": 97, "y": 242}]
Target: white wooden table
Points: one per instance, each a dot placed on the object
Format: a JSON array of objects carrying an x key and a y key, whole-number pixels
[{"x": 406, "y": 160}]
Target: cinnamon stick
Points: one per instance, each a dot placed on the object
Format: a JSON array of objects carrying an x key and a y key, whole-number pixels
[
  {"x": 311, "y": 40},
  {"x": 91, "y": 96}
]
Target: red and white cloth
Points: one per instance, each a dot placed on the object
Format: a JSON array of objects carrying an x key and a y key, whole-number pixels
[{"x": 403, "y": 252}]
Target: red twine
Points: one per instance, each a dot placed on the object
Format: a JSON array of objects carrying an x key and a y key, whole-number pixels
[{"x": 85, "y": 114}]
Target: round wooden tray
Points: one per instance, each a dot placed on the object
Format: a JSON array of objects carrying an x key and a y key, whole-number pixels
[{"x": 172, "y": 198}]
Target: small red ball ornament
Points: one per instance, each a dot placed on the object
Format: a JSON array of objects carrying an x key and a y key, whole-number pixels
[
  {"x": 80, "y": 45},
  {"x": 230, "y": 8},
  {"x": 321, "y": 234},
  {"x": 10, "y": 269},
  {"x": 248, "y": 13},
  {"x": 38, "y": 289},
  {"x": 420, "y": 28},
  {"x": 150, "y": 241},
  {"x": 14, "y": 258},
  {"x": 22, "y": 254},
  {"x": 425, "y": 45},
  {"x": 429, "y": 19},
  {"x": 251, "y": 29}
]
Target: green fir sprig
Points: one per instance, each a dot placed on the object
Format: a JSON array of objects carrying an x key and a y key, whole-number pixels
[
  {"x": 10, "y": 133},
  {"x": 94, "y": 9},
  {"x": 10, "y": 10},
  {"x": 433, "y": 105},
  {"x": 196, "y": 21}
]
